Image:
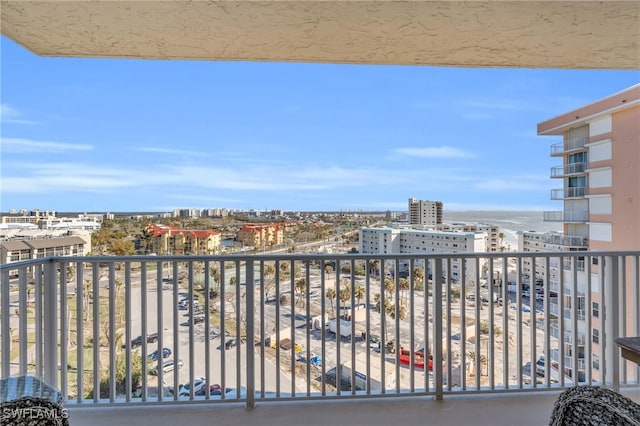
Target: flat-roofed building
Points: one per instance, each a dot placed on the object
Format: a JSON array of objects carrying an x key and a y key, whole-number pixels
[{"x": 425, "y": 212}]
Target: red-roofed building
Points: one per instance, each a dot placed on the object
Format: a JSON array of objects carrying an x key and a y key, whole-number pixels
[
  {"x": 261, "y": 235},
  {"x": 164, "y": 239}
]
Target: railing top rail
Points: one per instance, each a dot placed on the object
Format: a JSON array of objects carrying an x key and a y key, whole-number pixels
[{"x": 306, "y": 256}]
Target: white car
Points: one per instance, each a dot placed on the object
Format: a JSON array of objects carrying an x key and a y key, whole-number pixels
[
  {"x": 167, "y": 366},
  {"x": 198, "y": 383}
]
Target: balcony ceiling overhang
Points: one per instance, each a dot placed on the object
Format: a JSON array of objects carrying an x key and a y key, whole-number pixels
[{"x": 530, "y": 34}]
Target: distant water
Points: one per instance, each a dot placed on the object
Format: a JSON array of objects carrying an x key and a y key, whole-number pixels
[
  {"x": 509, "y": 222},
  {"x": 506, "y": 220}
]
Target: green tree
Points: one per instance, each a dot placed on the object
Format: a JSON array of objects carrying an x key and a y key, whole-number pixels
[
  {"x": 389, "y": 286},
  {"x": 359, "y": 293},
  {"x": 284, "y": 268},
  {"x": 269, "y": 282},
  {"x": 382, "y": 310},
  {"x": 345, "y": 294},
  {"x": 301, "y": 290},
  {"x": 403, "y": 284},
  {"x": 215, "y": 274},
  {"x": 121, "y": 247},
  {"x": 374, "y": 267},
  {"x": 70, "y": 272},
  {"x": 330, "y": 294}
]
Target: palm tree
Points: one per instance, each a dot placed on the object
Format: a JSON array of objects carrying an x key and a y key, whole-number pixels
[
  {"x": 215, "y": 273},
  {"x": 359, "y": 293},
  {"x": 345, "y": 294},
  {"x": 418, "y": 273},
  {"x": 403, "y": 283},
  {"x": 269, "y": 283},
  {"x": 301, "y": 290},
  {"x": 389, "y": 286},
  {"x": 85, "y": 303},
  {"x": 330, "y": 294},
  {"x": 383, "y": 311},
  {"x": 328, "y": 269},
  {"x": 284, "y": 268},
  {"x": 374, "y": 267},
  {"x": 70, "y": 271},
  {"x": 391, "y": 310}
]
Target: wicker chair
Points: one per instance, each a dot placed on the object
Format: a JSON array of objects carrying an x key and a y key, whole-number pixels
[{"x": 594, "y": 406}]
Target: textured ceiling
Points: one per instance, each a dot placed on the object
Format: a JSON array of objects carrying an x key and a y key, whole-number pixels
[{"x": 542, "y": 34}]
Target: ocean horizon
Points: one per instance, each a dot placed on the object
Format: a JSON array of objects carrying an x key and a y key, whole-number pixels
[{"x": 509, "y": 222}]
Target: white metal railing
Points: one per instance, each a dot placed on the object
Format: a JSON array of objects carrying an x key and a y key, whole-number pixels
[
  {"x": 565, "y": 216},
  {"x": 569, "y": 192},
  {"x": 263, "y": 326},
  {"x": 566, "y": 241},
  {"x": 568, "y": 169},
  {"x": 569, "y": 145}
]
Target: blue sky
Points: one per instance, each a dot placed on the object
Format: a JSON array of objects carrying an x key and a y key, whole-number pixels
[{"x": 135, "y": 135}]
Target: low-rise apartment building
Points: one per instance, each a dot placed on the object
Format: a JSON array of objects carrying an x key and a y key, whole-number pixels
[
  {"x": 261, "y": 235},
  {"x": 164, "y": 239},
  {"x": 424, "y": 241}
]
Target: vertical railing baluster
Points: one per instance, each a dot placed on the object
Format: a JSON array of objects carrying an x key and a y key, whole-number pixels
[
  {"x": 50, "y": 337},
  {"x": 112, "y": 332},
  {"x": 250, "y": 348},
  {"x": 5, "y": 329},
  {"x": 22, "y": 321},
  {"x": 80, "y": 309},
  {"x": 611, "y": 315},
  {"x": 437, "y": 323}
]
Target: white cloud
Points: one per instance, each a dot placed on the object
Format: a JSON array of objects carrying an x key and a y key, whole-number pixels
[
  {"x": 173, "y": 151},
  {"x": 10, "y": 115},
  {"x": 435, "y": 152},
  {"x": 513, "y": 183},
  {"x": 22, "y": 146}
]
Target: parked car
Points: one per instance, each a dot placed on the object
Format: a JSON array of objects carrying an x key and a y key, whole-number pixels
[
  {"x": 151, "y": 338},
  {"x": 153, "y": 356},
  {"x": 198, "y": 384},
  {"x": 229, "y": 342},
  {"x": 215, "y": 389},
  {"x": 167, "y": 366},
  {"x": 198, "y": 319},
  {"x": 540, "y": 366}
]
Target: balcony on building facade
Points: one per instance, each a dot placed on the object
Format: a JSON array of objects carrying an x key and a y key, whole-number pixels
[
  {"x": 568, "y": 264},
  {"x": 568, "y": 169},
  {"x": 568, "y": 146},
  {"x": 569, "y": 241},
  {"x": 568, "y": 193},
  {"x": 279, "y": 328},
  {"x": 569, "y": 337},
  {"x": 566, "y": 216}
]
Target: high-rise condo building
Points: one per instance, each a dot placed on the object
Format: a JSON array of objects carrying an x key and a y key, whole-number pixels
[
  {"x": 600, "y": 192},
  {"x": 424, "y": 212}
]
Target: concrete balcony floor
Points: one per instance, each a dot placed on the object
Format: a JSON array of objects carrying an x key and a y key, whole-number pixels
[{"x": 524, "y": 409}]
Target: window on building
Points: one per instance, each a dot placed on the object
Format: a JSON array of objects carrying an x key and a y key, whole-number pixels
[
  {"x": 595, "y": 362},
  {"x": 595, "y": 309},
  {"x": 595, "y": 335}
]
